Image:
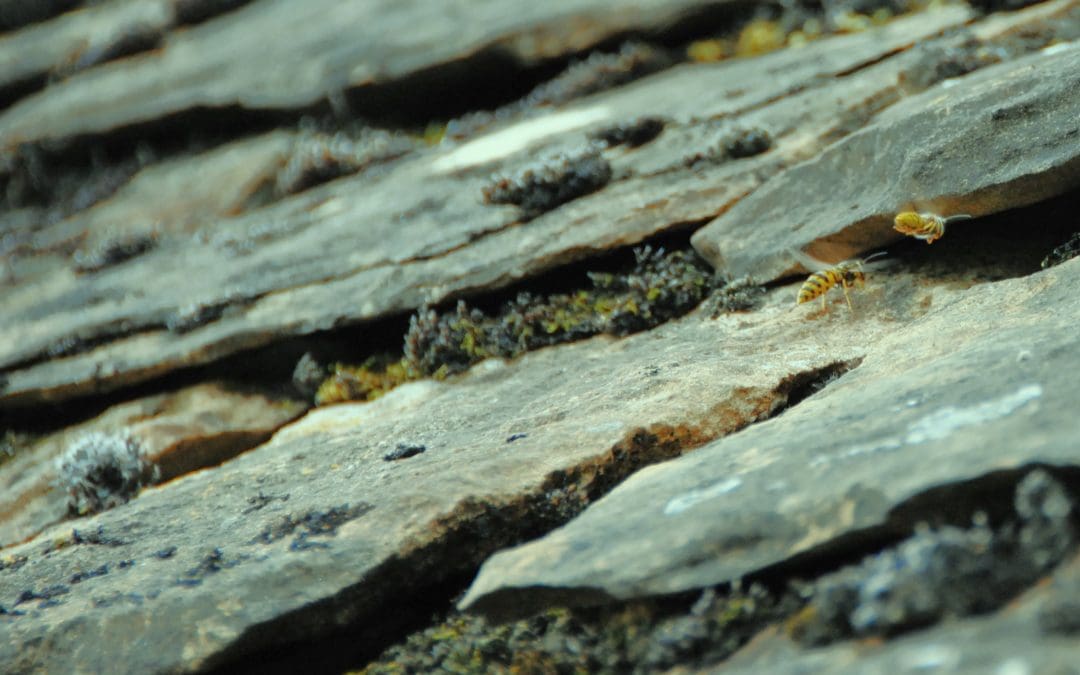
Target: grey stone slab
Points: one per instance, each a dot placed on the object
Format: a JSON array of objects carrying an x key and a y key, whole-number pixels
[
  {"x": 981, "y": 382},
  {"x": 1016, "y": 121},
  {"x": 372, "y": 245},
  {"x": 62, "y": 43},
  {"x": 580, "y": 417},
  {"x": 179, "y": 432},
  {"x": 316, "y": 49}
]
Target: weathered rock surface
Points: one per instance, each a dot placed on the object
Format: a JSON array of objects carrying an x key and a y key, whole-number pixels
[
  {"x": 917, "y": 156},
  {"x": 374, "y": 245},
  {"x": 981, "y": 383},
  {"x": 192, "y": 428},
  {"x": 221, "y": 63},
  {"x": 508, "y": 450},
  {"x": 951, "y": 374}
]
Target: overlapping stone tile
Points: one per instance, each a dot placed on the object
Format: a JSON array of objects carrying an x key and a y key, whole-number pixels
[{"x": 982, "y": 382}]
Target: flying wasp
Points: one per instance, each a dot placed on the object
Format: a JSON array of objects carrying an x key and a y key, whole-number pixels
[
  {"x": 846, "y": 274},
  {"x": 926, "y": 226}
]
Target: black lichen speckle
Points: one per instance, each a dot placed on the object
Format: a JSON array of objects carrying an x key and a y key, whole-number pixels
[
  {"x": 46, "y": 594},
  {"x": 312, "y": 524},
  {"x": 79, "y": 577},
  {"x": 165, "y": 553},
  {"x": 404, "y": 451},
  {"x": 944, "y": 572},
  {"x": 659, "y": 286},
  {"x": 550, "y": 182},
  {"x": 101, "y": 470},
  {"x": 213, "y": 562},
  {"x": 1066, "y": 251},
  {"x": 633, "y": 133},
  {"x": 96, "y": 537}
]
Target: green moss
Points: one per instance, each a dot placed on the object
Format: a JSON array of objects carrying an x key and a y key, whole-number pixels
[
  {"x": 641, "y": 636},
  {"x": 366, "y": 382},
  {"x": 658, "y": 286}
]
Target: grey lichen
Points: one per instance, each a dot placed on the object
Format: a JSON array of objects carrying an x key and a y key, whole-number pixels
[{"x": 101, "y": 470}]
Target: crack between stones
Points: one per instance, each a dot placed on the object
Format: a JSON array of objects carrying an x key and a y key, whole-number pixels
[{"x": 458, "y": 542}]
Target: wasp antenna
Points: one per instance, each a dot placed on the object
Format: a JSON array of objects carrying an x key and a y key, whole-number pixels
[
  {"x": 959, "y": 216},
  {"x": 879, "y": 254},
  {"x": 808, "y": 261}
]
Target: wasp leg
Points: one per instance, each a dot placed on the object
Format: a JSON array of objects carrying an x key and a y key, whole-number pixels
[{"x": 844, "y": 286}]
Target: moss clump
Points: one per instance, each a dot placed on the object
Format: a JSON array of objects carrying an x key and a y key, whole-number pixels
[
  {"x": 637, "y": 637},
  {"x": 657, "y": 287},
  {"x": 760, "y": 36},
  {"x": 660, "y": 286},
  {"x": 102, "y": 470},
  {"x": 550, "y": 182},
  {"x": 946, "y": 572},
  {"x": 366, "y": 382}
]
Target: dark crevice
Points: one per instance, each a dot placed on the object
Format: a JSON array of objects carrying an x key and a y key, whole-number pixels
[
  {"x": 15, "y": 14},
  {"x": 798, "y": 387}
]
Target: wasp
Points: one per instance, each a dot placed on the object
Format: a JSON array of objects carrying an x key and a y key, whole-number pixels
[
  {"x": 846, "y": 274},
  {"x": 926, "y": 226}
]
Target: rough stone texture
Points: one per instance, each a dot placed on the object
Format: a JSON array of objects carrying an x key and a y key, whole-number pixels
[
  {"x": 220, "y": 63},
  {"x": 341, "y": 254},
  {"x": 952, "y": 372},
  {"x": 1017, "y": 121},
  {"x": 979, "y": 384},
  {"x": 170, "y": 200},
  {"x": 76, "y": 40},
  {"x": 1016, "y": 640},
  {"x": 590, "y": 412},
  {"x": 181, "y": 431}
]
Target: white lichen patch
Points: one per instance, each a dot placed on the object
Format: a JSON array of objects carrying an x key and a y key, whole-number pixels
[
  {"x": 686, "y": 500},
  {"x": 514, "y": 139},
  {"x": 942, "y": 423}
]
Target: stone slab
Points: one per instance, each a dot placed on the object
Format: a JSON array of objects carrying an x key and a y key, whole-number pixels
[
  {"x": 373, "y": 245},
  {"x": 318, "y": 49},
  {"x": 981, "y": 383},
  {"x": 329, "y": 521},
  {"x": 1017, "y": 121},
  {"x": 182, "y": 431}
]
